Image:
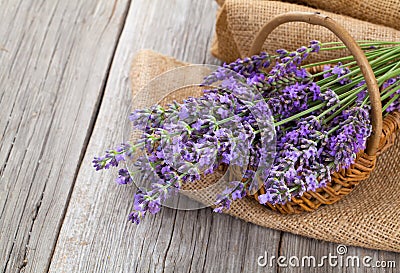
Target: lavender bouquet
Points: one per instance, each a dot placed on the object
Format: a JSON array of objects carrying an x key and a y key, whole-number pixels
[{"x": 320, "y": 122}]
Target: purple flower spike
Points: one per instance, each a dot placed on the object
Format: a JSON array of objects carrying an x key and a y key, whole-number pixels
[
  {"x": 124, "y": 177},
  {"x": 134, "y": 217},
  {"x": 340, "y": 71},
  {"x": 282, "y": 52},
  {"x": 270, "y": 196},
  {"x": 224, "y": 127}
]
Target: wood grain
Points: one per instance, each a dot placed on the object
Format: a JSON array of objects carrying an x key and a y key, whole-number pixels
[
  {"x": 55, "y": 62},
  {"x": 65, "y": 93},
  {"x": 95, "y": 236}
]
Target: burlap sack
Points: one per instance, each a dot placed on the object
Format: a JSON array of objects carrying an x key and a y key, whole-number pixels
[
  {"x": 382, "y": 12},
  {"x": 238, "y": 21},
  {"x": 368, "y": 217}
]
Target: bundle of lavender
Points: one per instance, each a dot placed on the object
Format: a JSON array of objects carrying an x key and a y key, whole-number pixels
[{"x": 321, "y": 121}]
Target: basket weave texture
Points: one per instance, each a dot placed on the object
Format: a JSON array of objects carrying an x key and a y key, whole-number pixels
[
  {"x": 344, "y": 181},
  {"x": 368, "y": 217},
  {"x": 238, "y": 23}
]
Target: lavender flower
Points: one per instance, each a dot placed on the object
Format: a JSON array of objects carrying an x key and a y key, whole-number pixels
[
  {"x": 227, "y": 125},
  {"x": 112, "y": 158},
  {"x": 124, "y": 177},
  {"x": 339, "y": 71},
  {"x": 342, "y": 146}
]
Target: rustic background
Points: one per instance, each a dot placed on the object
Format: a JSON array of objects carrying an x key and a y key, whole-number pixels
[{"x": 64, "y": 93}]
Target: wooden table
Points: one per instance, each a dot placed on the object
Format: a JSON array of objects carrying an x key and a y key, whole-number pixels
[{"x": 64, "y": 94}]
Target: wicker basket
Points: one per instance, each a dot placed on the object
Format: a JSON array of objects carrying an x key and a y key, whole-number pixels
[{"x": 383, "y": 131}]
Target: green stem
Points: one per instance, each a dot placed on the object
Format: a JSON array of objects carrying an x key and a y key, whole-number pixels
[
  {"x": 347, "y": 98},
  {"x": 370, "y": 55},
  {"x": 390, "y": 102},
  {"x": 365, "y": 41},
  {"x": 390, "y": 91},
  {"x": 299, "y": 115},
  {"x": 331, "y": 117}
]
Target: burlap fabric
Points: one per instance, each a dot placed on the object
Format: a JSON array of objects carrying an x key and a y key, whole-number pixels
[
  {"x": 238, "y": 22},
  {"x": 368, "y": 217},
  {"x": 382, "y": 12}
]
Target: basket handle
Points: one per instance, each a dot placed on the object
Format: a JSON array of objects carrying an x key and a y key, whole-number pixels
[{"x": 345, "y": 37}]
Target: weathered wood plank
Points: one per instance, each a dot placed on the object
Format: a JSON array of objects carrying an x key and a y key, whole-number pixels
[
  {"x": 54, "y": 64},
  {"x": 95, "y": 236}
]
